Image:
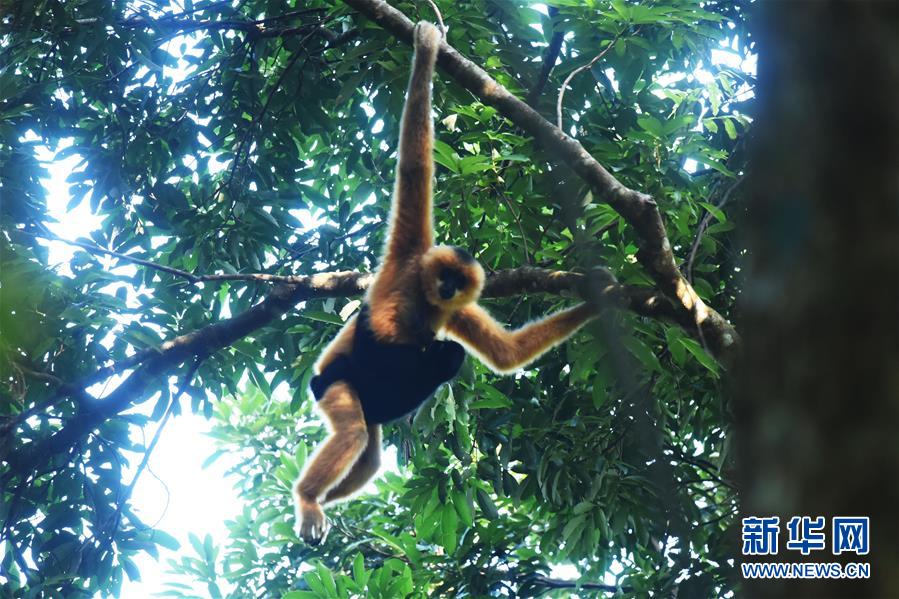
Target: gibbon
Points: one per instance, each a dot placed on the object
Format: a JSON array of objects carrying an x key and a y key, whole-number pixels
[{"x": 387, "y": 360}]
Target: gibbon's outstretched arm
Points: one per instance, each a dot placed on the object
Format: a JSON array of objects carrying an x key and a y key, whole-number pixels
[
  {"x": 504, "y": 350},
  {"x": 411, "y": 232}
]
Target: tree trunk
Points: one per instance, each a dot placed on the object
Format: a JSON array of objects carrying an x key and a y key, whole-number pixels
[{"x": 817, "y": 399}]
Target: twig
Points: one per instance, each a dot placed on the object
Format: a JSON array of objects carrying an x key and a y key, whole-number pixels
[
  {"x": 155, "y": 362},
  {"x": 43, "y": 376},
  {"x": 439, "y": 17},
  {"x": 124, "y": 497},
  {"x": 238, "y": 162},
  {"x": 256, "y": 28},
  {"x": 95, "y": 249},
  {"x": 575, "y": 72},
  {"x": 549, "y": 61},
  {"x": 499, "y": 284},
  {"x": 189, "y": 375},
  {"x": 703, "y": 465},
  {"x": 517, "y": 217},
  {"x": 704, "y": 224},
  {"x": 192, "y": 278},
  {"x": 76, "y": 391}
]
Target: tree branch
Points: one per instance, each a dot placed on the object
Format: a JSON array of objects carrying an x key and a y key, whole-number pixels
[
  {"x": 256, "y": 28},
  {"x": 576, "y": 72},
  {"x": 97, "y": 250},
  {"x": 638, "y": 209},
  {"x": 160, "y": 361},
  {"x": 502, "y": 283},
  {"x": 557, "y": 583},
  {"x": 157, "y": 362}
]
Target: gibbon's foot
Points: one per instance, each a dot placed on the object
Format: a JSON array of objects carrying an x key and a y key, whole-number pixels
[
  {"x": 426, "y": 35},
  {"x": 313, "y": 525}
]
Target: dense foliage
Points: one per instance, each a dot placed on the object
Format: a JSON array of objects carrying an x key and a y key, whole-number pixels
[{"x": 257, "y": 136}]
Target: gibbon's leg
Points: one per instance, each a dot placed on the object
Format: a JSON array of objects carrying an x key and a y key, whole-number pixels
[
  {"x": 505, "y": 350},
  {"x": 410, "y": 229},
  {"x": 332, "y": 462},
  {"x": 363, "y": 470}
]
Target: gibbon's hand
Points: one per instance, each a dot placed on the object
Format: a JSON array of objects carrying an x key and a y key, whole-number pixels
[{"x": 426, "y": 36}]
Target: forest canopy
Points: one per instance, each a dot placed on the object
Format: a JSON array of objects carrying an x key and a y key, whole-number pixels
[{"x": 237, "y": 160}]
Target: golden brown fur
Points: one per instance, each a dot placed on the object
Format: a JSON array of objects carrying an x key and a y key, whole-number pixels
[
  {"x": 419, "y": 290},
  {"x": 333, "y": 462},
  {"x": 504, "y": 350}
]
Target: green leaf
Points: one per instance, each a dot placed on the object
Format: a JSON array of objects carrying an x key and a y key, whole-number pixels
[
  {"x": 327, "y": 579},
  {"x": 714, "y": 96},
  {"x": 300, "y": 455},
  {"x": 493, "y": 402},
  {"x": 622, "y": 8},
  {"x": 730, "y": 128},
  {"x": 359, "y": 574},
  {"x": 446, "y": 156},
  {"x": 486, "y": 504},
  {"x": 673, "y": 337},
  {"x": 448, "y": 524},
  {"x": 575, "y": 524},
  {"x": 196, "y": 543},
  {"x": 652, "y": 125},
  {"x": 474, "y": 164},
  {"x": 166, "y": 540},
  {"x": 714, "y": 211},
  {"x": 322, "y": 317},
  {"x": 598, "y": 392},
  {"x": 212, "y": 458},
  {"x": 130, "y": 569},
  {"x": 583, "y": 507},
  {"x": 460, "y": 502},
  {"x": 642, "y": 352},
  {"x": 700, "y": 354}
]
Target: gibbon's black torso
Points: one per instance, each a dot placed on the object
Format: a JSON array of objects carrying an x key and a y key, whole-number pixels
[{"x": 391, "y": 379}]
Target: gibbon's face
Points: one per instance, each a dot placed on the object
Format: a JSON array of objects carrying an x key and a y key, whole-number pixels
[{"x": 451, "y": 277}]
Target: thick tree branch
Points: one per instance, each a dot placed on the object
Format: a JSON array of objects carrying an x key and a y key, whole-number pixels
[
  {"x": 638, "y": 209},
  {"x": 641, "y": 300},
  {"x": 503, "y": 283},
  {"x": 163, "y": 359},
  {"x": 158, "y": 362}
]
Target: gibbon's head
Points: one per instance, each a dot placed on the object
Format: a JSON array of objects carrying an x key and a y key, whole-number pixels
[{"x": 451, "y": 277}]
